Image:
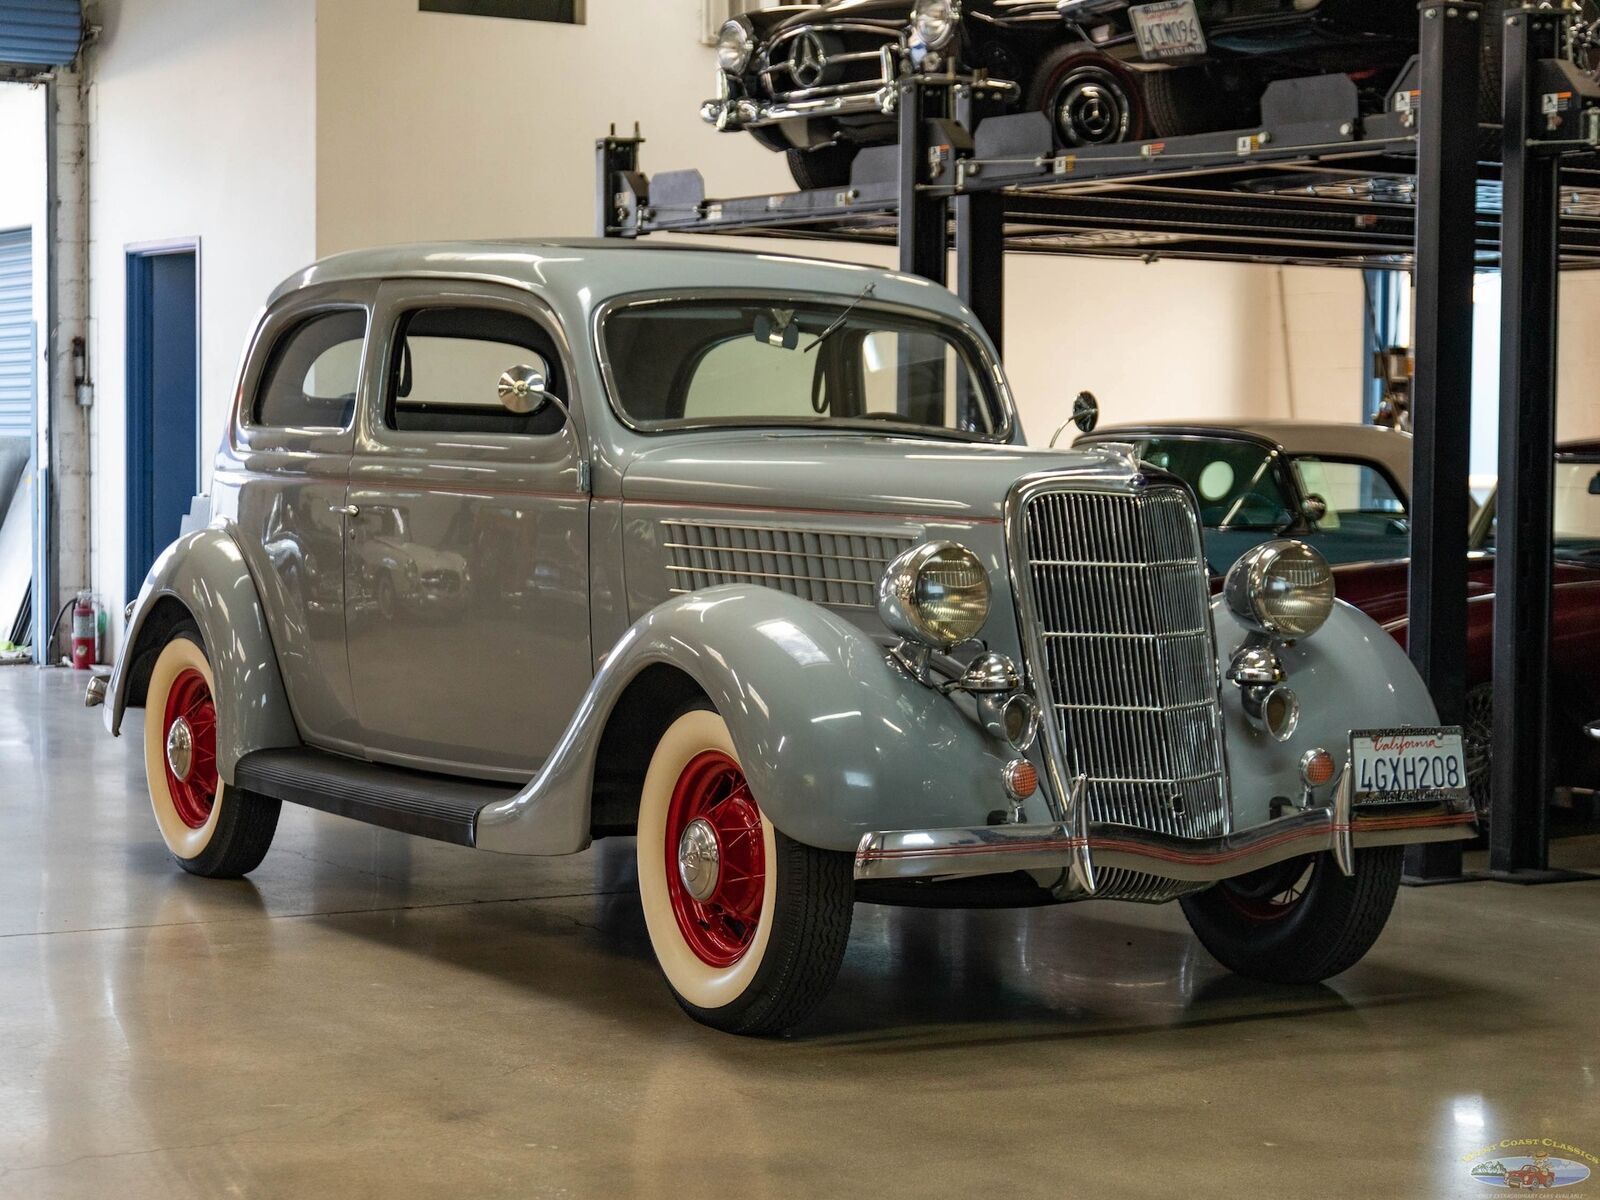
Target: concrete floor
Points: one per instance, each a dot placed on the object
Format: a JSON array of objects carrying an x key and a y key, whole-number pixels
[{"x": 377, "y": 1016}]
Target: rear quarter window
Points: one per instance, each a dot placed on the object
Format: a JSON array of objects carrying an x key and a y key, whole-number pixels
[{"x": 313, "y": 372}]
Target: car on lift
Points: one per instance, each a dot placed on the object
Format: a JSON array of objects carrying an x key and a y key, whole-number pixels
[
  {"x": 1345, "y": 489},
  {"x": 819, "y": 82},
  {"x": 797, "y": 609}
]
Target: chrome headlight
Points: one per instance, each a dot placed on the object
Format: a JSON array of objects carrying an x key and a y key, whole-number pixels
[
  {"x": 936, "y": 21},
  {"x": 734, "y": 48},
  {"x": 1283, "y": 589},
  {"x": 935, "y": 594}
]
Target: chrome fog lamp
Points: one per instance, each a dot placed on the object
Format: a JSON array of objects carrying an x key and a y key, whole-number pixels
[
  {"x": 734, "y": 48},
  {"x": 935, "y": 594},
  {"x": 1274, "y": 711},
  {"x": 936, "y": 21},
  {"x": 1015, "y": 718},
  {"x": 1282, "y": 589}
]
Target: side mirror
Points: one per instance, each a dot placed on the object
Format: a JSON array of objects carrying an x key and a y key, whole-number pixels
[
  {"x": 522, "y": 389},
  {"x": 1316, "y": 507},
  {"x": 1086, "y": 412}
]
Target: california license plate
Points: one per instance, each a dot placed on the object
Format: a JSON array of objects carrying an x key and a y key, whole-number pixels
[
  {"x": 1168, "y": 29},
  {"x": 1408, "y": 766}
]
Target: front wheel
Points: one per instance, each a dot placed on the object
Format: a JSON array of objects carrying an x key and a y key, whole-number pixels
[
  {"x": 209, "y": 827},
  {"x": 749, "y": 926},
  {"x": 1090, "y": 98},
  {"x": 1301, "y": 921}
]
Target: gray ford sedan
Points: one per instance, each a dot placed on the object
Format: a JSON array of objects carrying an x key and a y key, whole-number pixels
[{"x": 521, "y": 545}]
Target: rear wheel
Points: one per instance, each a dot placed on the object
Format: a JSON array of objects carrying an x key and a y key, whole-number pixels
[
  {"x": 1301, "y": 921},
  {"x": 749, "y": 926},
  {"x": 210, "y": 828},
  {"x": 1090, "y": 98},
  {"x": 824, "y": 167},
  {"x": 1187, "y": 100}
]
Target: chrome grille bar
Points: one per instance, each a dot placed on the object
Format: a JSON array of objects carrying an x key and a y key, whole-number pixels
[{"x": 1121, "y": 602}]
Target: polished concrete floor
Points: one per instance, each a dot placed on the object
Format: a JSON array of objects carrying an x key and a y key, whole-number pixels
[{"x": 375, "y": 1016}]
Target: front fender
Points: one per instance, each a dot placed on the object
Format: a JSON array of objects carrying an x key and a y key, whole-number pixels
[
  {"x": 206, "y": 573},
  {"x": 1350, "y": 675},
  {"x": 835, "y": 739}
]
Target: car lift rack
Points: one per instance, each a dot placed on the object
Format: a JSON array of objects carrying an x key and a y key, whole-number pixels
[{"x": 1420, "y": 187}]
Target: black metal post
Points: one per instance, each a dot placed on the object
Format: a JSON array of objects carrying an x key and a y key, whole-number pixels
[
  {"x": 1447, "y": 185},
  {"x": 614, "y": 156},
  {"x": 981, "y": 226},
  {"x": 924, "y": 218},
  {"x": 1529, "y": 263}
]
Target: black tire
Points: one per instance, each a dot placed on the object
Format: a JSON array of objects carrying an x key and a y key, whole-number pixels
[
  {"x": 825, "y": 167},
  {"x": 1188, "y": 100},
  {"x": 239, "y": 826},
  {"x": 1477, "y": 728},
  {"x": 787, "y": 967},
  {"x": 1089, "y": 98},
  {"x": 1324, "y": 930}
]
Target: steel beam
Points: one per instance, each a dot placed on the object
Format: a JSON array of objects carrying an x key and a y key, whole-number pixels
[
  {"x": 924, "y": 214},
  {"x": 1519, "y": 834},
  {"x": 1441, "y": 407},
  {"x": 981, "y": 226}
]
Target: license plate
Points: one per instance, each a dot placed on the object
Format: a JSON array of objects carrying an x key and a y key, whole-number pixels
[
  {"x": 1408, "y": 766},
  {"x": 1169, "y": 29}
]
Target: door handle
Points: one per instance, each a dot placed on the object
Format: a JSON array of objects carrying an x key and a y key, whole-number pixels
[{"x": 346, "y": 510}]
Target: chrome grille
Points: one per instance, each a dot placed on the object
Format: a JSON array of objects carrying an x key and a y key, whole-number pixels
[
  {"x": 833, "y": 567},
  {"x": 1122, "y": 602}
]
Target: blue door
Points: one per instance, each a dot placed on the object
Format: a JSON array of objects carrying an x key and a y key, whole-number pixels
[{"x": 163, "y": 403}]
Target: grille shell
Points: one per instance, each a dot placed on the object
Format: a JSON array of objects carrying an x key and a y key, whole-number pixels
[
  {"x": 835, "y": 567},
  {"x": 1123, "y": 656}
]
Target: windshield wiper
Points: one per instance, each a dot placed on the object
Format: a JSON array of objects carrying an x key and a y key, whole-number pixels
[{"x": 843, "y": 317}]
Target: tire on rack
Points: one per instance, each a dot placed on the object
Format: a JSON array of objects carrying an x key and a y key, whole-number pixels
[
  {"x": 823, "y": 167},
  {"x": 1187, "y": 100},
  {"x": 209, "y": 827},
  {"x": 749, "y": 926},
  {"x": 1090, "y": 98},
  {"x": 1301, "y": 921}
]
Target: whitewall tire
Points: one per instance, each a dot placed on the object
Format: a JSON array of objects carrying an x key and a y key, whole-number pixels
[{"x": 749, "y": 926}]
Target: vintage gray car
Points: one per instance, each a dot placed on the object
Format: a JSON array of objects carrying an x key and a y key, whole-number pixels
[{"x": 745, "y": 556}]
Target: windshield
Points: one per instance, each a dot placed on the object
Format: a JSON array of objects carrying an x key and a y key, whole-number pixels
[
  {"x": 1577, "y": 512},
  {"x": 797, "y": 362}
]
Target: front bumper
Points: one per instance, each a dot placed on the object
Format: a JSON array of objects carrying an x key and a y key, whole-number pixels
[
  {"x": 878, "y": 97},
  {"x": 1084, "y": 849}
]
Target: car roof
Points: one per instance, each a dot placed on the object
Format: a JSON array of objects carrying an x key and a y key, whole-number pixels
[{"x": 1330, "y": 439}]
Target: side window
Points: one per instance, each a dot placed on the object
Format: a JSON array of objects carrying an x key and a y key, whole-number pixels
[
  {"x": 446, "y": 368},
  {"x": 1354, "y": 492},
  {"x": 310, "y": 380}
]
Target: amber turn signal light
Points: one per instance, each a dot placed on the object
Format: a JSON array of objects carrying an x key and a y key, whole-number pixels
[
  {"x": 1021, "y": 779},
  {"x": 1317, "y": 768}
]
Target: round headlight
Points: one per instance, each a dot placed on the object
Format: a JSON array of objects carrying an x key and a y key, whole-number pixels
[
  {"x": 734, "y": 48},
  {"x": 1283, "y": 589},
  {"x": 936, "y": 594},
  {"x": 935, "y": 21}
]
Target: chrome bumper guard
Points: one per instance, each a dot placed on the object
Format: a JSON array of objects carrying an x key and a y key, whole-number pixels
[
  {"x": 1083, "y": 848},
  {"x": 878, "y": 97}
]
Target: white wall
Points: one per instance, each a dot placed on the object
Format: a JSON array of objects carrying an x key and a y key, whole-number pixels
[
  {"x": 203, "y": 117},
  {"x": 438, "y": 126},
  {"x": 24, "y": 186}
]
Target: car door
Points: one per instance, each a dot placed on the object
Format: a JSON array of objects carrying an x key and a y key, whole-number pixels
[{"x": 467, "y": 543}]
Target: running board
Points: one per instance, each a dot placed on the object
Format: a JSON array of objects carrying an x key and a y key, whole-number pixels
[{"x": 430, "y": 806}]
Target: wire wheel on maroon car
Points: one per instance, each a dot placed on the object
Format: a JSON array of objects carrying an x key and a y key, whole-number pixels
[
  {"x": 1090, "y": 98},
  {"x": 1477, "y": 729},
  {"x": 749, "y": 926},
  {"x": 1300, "y": 921},
  {"x": 211, "y": 828}
]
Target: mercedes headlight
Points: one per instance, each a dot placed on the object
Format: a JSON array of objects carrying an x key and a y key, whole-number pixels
[
  {"x": 1283, "y": 589},
  {"x": 935, "y": 594},
  {"x": 734, "y": 48},
  {"x": 935, "y": 21}
]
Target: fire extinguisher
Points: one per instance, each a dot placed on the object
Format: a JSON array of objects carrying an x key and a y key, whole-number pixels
[{"x": 85, "y": 619}]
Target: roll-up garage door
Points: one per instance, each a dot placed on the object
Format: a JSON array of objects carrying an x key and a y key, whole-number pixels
[
  {"x": 39, "y": 33},
  {"x": 16, "y": 333}
]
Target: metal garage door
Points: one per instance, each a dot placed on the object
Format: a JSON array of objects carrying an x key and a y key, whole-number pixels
[
  {"x": 40, "y": 33},
  {"x": 16, "y": 333}
]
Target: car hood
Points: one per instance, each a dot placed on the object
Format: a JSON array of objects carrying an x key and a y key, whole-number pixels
[{"x": 911, "y": 478}]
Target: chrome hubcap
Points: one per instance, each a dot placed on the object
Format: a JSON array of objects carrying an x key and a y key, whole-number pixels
[
  {"x": 180, "y": 750},
  {"x": 699, "y": 859}
]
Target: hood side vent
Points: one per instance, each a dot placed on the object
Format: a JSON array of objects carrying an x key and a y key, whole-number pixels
[{"x": 834, "y": 567}]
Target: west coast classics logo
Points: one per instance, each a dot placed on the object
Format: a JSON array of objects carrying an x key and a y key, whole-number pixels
[{"x": 1531, "y": 1164}]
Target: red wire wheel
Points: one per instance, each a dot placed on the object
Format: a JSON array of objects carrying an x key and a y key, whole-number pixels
[
  {"x": 1271, "y": 893},
  {"x": 715, "y": 859},
  {"x": 189, "y": 730}
]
